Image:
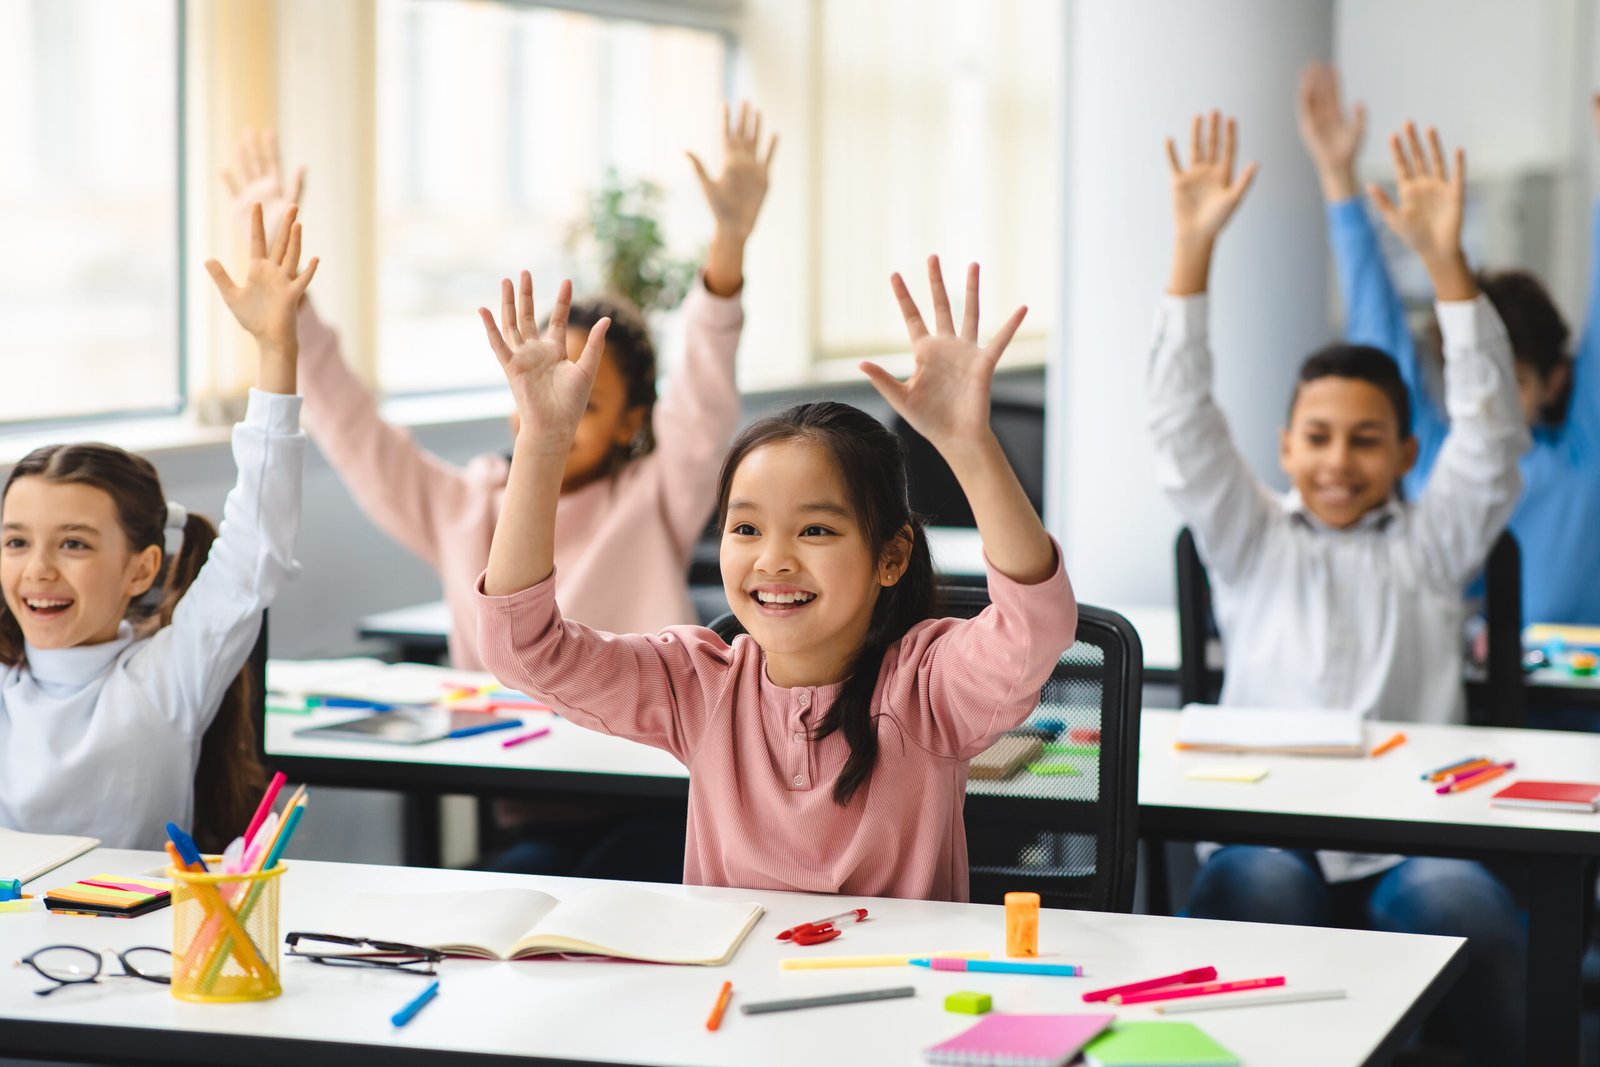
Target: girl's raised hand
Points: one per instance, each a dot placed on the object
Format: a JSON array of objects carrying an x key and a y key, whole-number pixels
[
  {"x": 257, "y": 178},
  {"x": 1331, "y": 137},
  {"x": 1205, "y": 193},
  {"x": 1428, "y": 215},
  {"x": 550, "y": 390},
  {"x": 946, "y": 399},
  {"x": 735, "y": 196},
  {"x": 273, "y": 285}
]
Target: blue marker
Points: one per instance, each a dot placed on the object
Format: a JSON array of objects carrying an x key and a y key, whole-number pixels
[
  {"x": 484, "y": 728},
  {"x": 409, "y": 1012},
  {"x": 186, "y": 847},
  {"x": 348, "y": 702}
]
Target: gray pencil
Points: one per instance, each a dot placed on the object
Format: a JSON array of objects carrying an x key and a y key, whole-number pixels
[
  {"x": 822, "y": 1002},
  {"x": 1183, "y": 1007}
]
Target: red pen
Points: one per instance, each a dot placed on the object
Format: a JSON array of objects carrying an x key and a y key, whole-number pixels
[
  {"x": 821, "y": 926},
  {"x": 1198, "y": 974},
  {"x": 1178, "y": 992}
]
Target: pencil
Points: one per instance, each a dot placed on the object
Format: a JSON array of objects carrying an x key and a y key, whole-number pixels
[
  {"x": 1394, "y": 742},
  {"x": 1185, "y": 1007},
  {"x": 720, "y": 1006}
]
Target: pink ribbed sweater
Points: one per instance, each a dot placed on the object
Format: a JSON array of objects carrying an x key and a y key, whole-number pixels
[
  {"x": 761, "y": 810},
  {"x": 622, "y": 544}
]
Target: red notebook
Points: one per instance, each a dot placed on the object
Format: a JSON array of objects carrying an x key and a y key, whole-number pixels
[{"x": 1549, "y": 796}]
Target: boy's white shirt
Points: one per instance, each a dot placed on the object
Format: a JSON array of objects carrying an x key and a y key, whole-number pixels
[
  {"x": 1367, "y": 618},
  {"x": 103, "y": 740}
]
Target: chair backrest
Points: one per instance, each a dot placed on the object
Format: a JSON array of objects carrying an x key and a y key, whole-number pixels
[
  {"x": 1020, "y": 428},
  {"x": 1504, "y": 702},
  {"x": 1070, "y": 837}
]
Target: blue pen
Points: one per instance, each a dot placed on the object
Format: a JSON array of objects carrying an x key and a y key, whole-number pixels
[
  {"x": 282, "y": 842},
  {"x": 186, "y": 847},
  {"x": 488, "y": 727},
  {"x": 348, "y": 702},
  {"x": 1065, "y": 970},
  {"x": 409, "y": 1012}
]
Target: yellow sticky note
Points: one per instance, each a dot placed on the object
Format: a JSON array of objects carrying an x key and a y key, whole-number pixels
[{"x": 1225, "y": 772}]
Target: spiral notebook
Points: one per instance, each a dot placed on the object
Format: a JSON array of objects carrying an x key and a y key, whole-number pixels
[{"x": 1020, "y": 1040}]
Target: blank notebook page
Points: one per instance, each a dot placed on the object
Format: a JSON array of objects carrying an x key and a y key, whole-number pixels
[{"x": 1020, "y": 1040}]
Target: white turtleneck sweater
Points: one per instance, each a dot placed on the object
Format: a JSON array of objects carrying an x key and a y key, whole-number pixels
[{"x": 103, "y": 740}]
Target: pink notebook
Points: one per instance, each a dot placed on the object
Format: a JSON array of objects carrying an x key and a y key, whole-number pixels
[{"x": 1021, "y": 1040}]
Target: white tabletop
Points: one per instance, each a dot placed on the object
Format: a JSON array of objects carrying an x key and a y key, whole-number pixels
[
  {"x": 1388, "y": 788},
  {"x": 652, "y": 1014}
]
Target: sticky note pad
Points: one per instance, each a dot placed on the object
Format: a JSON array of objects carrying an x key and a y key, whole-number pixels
[
  {"x": 968, "y": 1003},
  {"x": 1225, "y": 772},
  {"x": 1058, "y": 770},
  {"x": 1140, "y": 1044}
]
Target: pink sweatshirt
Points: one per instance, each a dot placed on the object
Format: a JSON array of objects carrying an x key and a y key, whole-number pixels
[
  {"x": 622, "y": 544},
  {"x": 761, "y": 808}
]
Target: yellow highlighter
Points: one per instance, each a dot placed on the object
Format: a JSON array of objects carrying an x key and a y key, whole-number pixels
[{"x": 821, "y": 963}]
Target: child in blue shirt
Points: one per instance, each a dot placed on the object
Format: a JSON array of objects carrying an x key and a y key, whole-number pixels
[{"x": 1557, "y": 519}]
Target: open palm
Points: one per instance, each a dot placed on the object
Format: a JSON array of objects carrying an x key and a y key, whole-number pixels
[
  {"x": 946, "y": 398},
  {"x": 1332, "y": 137},
  {"x": 257, "y": 178},
  {"x": 1430, "y": 198},
  {"x": 550, "y": 390},
  {"x": 736, "y": 195},
  {"x": 1205, "y": 193},
  {"x": 265, "y": 302}
]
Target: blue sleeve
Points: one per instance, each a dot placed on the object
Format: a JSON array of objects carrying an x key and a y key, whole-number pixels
[
  {"x": 1375, "y": 315},
  {"x": 1585, "y": 408}
]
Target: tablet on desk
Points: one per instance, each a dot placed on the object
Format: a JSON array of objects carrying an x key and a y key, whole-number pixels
[{"x": 402, "y": 727}]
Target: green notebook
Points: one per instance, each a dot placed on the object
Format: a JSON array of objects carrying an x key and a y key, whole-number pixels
[{"x": 1157, "y": 1045}]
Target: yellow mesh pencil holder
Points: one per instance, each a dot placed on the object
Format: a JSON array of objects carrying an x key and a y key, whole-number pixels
[{"x": 225, "y": 935}]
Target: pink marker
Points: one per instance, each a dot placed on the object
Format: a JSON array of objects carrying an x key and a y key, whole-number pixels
[
  {"x": 531, "y": 735},
  {"x": 266, "y": 805}
]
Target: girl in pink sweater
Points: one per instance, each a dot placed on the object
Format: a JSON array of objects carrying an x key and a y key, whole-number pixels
[
  {"x": 828, "y": 745},
  {"x": 637, "y": 484}
]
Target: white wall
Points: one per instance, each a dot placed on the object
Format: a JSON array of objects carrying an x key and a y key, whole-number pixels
[{"x": 1137, "y": 70}]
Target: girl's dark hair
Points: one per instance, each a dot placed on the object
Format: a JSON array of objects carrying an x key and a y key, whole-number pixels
[
  {"x": 230, "y": 778},
  {"x": 1363, "y": 363},
  {"x": 628, "y": 343},
  {"x": 1537, "y": 331},
  {"x": 871, "y": 461}
]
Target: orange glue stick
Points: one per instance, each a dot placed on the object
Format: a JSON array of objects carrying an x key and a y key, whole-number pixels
[{"x": 1022, "y": 924}]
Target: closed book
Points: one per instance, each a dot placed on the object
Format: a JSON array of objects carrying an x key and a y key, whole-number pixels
[
  {"x": 1138, "y": 1044},
  {"x": 1001, "y": 1040},
  {"x": 1549, "y": 796}
]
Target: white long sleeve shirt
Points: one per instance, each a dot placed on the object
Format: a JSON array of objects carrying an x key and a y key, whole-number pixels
[
  {"x": 1367, "y": 618},
  {"x": 103, "y": 740}
]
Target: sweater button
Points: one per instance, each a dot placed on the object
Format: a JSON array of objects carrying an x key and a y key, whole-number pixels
[
  {"x": 803, "y": 699},
  {"x": 799, "y": 780},
  {"x": 799, "y": 736}
]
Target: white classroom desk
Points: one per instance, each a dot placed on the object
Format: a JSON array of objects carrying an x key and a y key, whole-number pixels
[
  {"x": 1375, "y": 805},
  {"x": 544, "y": 1011}
]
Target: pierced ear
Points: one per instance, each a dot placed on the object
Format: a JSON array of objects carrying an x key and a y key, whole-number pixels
[{"x": 896, "y": 557}]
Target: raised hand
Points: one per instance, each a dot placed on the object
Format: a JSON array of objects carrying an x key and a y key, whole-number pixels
[
  {"x": 257, "y": 178},
  {"x": 946, "y": 399},
  {"x": 1428, "y": 215},
  {"x": 265, "y": 303},
  {"x": 1332, "y": 138},
  {"x": 1205, "y": 193},
  {"x": 735, "y": 196},
  {"x": 550, "y": 390}
]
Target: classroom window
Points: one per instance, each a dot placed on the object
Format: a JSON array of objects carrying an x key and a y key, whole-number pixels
[
  {"x": 938, "y": 133},
  {"x": 89, "y": 206},
  {"x": 494, "y": 122}
]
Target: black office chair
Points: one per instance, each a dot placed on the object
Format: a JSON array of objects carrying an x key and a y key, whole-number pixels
[
  {"x": 1503, "y": 703},
  {"x": 1018, "y": 425},
  {"x": 1502, "y": 700},
  {"x": 1071, "y": 839}
]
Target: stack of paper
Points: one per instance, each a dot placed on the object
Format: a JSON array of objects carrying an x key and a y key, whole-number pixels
[
  {"x": 1296, "y": 731},
  {"x": 27, "y": 856}
]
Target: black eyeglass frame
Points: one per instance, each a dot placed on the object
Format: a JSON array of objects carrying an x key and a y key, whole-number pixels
[
  {"x": 128, "y": 969},
  {"x": 389, "y": 955}
]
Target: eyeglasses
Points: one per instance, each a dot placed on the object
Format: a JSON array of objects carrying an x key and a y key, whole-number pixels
[
  {"x": 74, "y": 965},
  {"x": 334, "y": 950}
]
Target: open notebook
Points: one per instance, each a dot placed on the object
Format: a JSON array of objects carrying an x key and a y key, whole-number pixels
[
  {"x": 1294, "y": 731},
  {"x": 27, "y": 856},
  {"x": 607, "y": 920}
]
